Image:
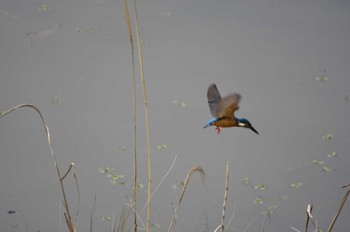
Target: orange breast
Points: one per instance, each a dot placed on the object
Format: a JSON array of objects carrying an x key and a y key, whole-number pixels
[{"x": 226, "y": 123}]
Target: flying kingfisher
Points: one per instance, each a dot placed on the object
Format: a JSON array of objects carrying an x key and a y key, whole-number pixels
[{"x": 223, "y": 110}]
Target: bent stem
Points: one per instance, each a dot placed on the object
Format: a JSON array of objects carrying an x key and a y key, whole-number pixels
[{"x": 67, "y": 214}]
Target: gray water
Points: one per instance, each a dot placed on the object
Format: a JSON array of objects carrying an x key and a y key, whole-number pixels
[{"x": 288, "y": 59}]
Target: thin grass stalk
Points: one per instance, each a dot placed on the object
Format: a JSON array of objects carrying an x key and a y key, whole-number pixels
[
  {"x": 225, "y": 197},
  {"x": 188, "y": 176},
  {"x": 149, "y": 189},
  {"x": 339, "y": 209},
  {"x": 67, "y": 215},
  {"x": 263, "y": 224},
  {"x": 92, "y": 212},
  {"x": 128, "y": 22},
  {"x": 160, "y": 182}
]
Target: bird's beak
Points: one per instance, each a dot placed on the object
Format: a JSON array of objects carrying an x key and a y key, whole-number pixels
[{"x": 253, "y": 129}]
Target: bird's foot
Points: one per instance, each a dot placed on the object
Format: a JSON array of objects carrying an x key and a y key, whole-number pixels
[{"x": 217, "y": 130}]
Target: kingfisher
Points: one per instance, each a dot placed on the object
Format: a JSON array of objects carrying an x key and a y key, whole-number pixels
[{"x": 223, "y": 110}]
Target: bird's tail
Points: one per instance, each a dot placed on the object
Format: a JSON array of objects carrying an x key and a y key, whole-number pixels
[
  {"x": 207, "y": 125},
  {"x": 210, "y": 123}
]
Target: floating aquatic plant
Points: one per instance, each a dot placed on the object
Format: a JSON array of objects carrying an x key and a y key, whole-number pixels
[
  {"x": 86, "y": 29},
  {"x": 328, "y": 137},
  {"x": 43, "y": 7},
  {"x": 112, "y": 176},
  {"x": 106, "y": 218},
  {"x": 321, "y": 78},
  {"x": 296, "y": 185},
  {"x": 319, "y": 162},
  {"x": 332, "y": 154},
  {"x": 56, "y": 100},
  {"x": 258, "y": 200},
  {"x": 162, "y": 147},
  {"x": 259, "y": 186},
  {"x": 180, "y": 103},
  {"x": 245, "y": 180},
  {"x": 270, "y": 210},
  {"x": 325, "y": 168},
  {"x": 122, "y": 148}
]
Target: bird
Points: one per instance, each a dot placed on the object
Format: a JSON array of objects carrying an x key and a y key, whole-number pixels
[{"x": 223, "y": 110}]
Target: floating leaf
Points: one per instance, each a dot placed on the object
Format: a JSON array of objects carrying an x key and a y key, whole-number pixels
[
  {"x": 347, "y": 98},
  {"x": 112, "y": 176},
  {"x": 284, "y": 197},
  {"x": 162, "y": 147},
  {"x": 258, "y": 200},
  {"x": 259, "y": 186},
  {"x": 319, "y": 162},
  {"x": 140, "y": 186},
  {"x": 56, "y": 100},
  {"x": 122, "y": 148},
  {"x": 180, "y": 103},
  {"x": 43, "y": 7},
  {"x": 325, "y": 168},
  {"x": 332, "y": 154},
  {"x": 328, "y": 137},
  {"x": 86, "y": 29},
  {"x": 106, "y": 170},
  {"x": 296, "y": 185},
  {"x": 106, "y": 218},
  {"x": 155, "y": 225},
  {"x": 321, "y": 78},
  {"x": 245, "y": 180},
  {"x": 270, "y": 210}
]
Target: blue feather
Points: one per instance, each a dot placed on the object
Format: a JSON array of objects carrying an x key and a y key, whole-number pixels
[{"x": 210, "y": 122}]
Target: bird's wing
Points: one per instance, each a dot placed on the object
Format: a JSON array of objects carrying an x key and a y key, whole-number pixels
[
  {"x": 227, "y": 106},
  {"x": 214, "y": 98}
]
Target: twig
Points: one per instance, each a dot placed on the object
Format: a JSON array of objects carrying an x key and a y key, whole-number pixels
[
  {"x": 68, "y": 217},
  {"x": 225, "y": 197},
  {"x": 188, "y": 176},
  {"x": 339, "y": 209}
]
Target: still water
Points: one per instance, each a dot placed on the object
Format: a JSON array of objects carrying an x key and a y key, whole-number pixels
[{"x": 288, "y": 59}]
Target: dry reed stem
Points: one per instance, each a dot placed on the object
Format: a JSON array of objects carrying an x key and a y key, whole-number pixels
[
  {"x": 339, "y": 209},
  {"x": 67, "y": 214},
  {"x": 128, "y": 22},
  {"x": 160, "y": 182},
  {"x": 188, "y": 176},
  {"x": 225, "y": 197},
  {"x": 92, "y": 212},
  {"x": 149, "y": 189}
]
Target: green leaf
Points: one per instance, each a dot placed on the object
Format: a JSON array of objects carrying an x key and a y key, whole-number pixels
[
  {"x": 328, "y": 137},
  {"x": 296, "y": 185},
  {"x": 332, "y": 154},
  {"x": 319, "y": 162},
  {"x": 326, "y": 169},
  {"x": 43, "y": 7},
  {"x": 162, "y": 147},
  {"x": 245, "y": 180},
  {"x": 258, "y": 200},
  {"x": 259, "y": 186}
]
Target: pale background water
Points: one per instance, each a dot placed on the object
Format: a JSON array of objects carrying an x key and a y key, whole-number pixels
[{"x": 73, "y": 61}]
